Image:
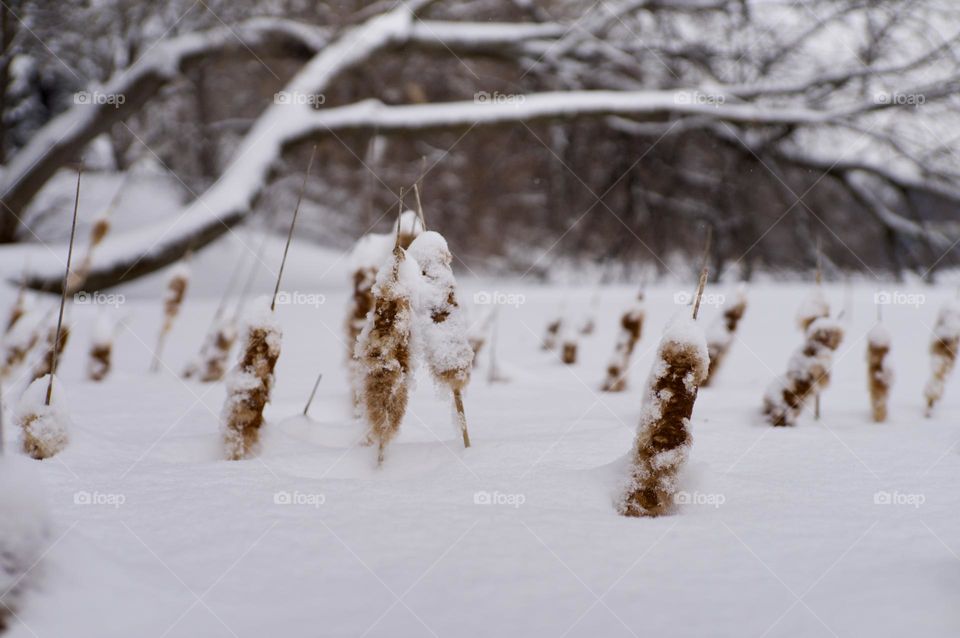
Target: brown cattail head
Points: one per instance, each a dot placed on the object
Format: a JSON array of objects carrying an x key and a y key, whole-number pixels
[
  {"x": 384, "y": 351},
  {"x": 720, "y": 336},
  {"x": 631, "y": 327},
  {"x": 249, "y": 384},
  {"x": 943, "y": 352},
  {"x": 552, "y": 334},
  {"x": 78, "y": 276},
  {"x": 19, "y": 307},
  {"x": 44, "y": 426},
  {"x": 807, "y": 373},
  {"x": 173, "y": 299},
  {"x": 879, "y": 374},
  {"x": 21, "y": 340},
  {"x": 569, "y": 353},
  {"x": 663, "y": 438}
]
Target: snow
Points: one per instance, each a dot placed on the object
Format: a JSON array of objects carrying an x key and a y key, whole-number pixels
[
  {"x": 879, "y": 336},
  {"x": 516, "y": 535},
  {"x": 46, "y": 428}
]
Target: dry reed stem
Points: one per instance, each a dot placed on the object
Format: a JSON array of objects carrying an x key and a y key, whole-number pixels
[{"x": 879, "y": 378}]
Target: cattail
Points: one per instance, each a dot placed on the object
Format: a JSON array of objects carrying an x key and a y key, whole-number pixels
[
  {"x": 250, "y": 383},
  {"x": 631, "y": 326},
  {"x": 20, "y": 306},
  {"x": 552, "y": 334},
  {"x": 814, "y": 306},
  {"x": 369, "y": 253},
  {"x": 43, "y": 419},
  {"x": 99, "y": 230},
  {"x": 943, "y": 352},
  {"x": 807, "y": 373},
  {"x": 589, "y": 323},
  {"x": 20, "y": 341},
  {"x": 879, "y": 374},
  {"x": 100, "y": 357},
  {"x": 440, "y": 321},
  {"x": 477, "y": 334},
  {"x": 44, "y": 426},
  {"x": 568, "y": 351},
  {"x": 663, "y": 439},
  {"x": 54, "y": 350},
  {"x": 176, "y": 291},
  {"x": 721, "y": 333}
]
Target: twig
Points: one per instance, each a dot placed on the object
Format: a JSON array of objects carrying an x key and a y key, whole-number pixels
[
  {"x": 63, "y": 291},
  {"x": 704, "y": 270},
  {"x": 396, "y": 241},
  {"x": 293, "y": 222},
  {"x": 416, "y": 191},
  {"x": 313, "y": 393}
]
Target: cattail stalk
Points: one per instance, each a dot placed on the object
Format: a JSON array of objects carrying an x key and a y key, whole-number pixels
[
  {"x": 943, "y": 352},
  {"x": 663, "y": 439},
  {"x": 313, "y": 393},
  {"x": 631, "y": 327},
  {"x": 249, "y": 385}
]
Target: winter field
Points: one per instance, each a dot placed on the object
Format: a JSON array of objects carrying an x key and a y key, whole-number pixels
[{"x": 837, "y": 527}]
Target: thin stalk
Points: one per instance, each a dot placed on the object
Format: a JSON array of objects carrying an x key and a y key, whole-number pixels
[
  {"x": 313, "y": 393},
  {"x": 296, "y": 211}
]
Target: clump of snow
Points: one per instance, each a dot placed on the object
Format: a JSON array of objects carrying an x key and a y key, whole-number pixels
[
  {"x": 813, "y": 306},
  {"x": 45, "y": 428},
  {"x": 943, "y": 352},
  {"x": 439, "y": 318},
  {"x": 879, "y": 336},
  {"x": 370, "y": 251}
]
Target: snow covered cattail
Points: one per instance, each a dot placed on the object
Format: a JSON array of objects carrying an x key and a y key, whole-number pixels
[
  {"x": 440, "y": 321},
  {"x": 943, "y": 352},
  {"x": 20, "y": 341},
  {"x": 19, "y": 308},
  {"x": 369, "y": 253},
  {"x": 552, "y": 334},
  {"x": 814, "y": 306},
  {"x": 176, "y": 291},
  {"x": 216, "y": 351},
  {"x": 100, "y": 357},
  {"x": 631, "y": 326},
  {"x": 249, "y": 384},
  {"x": 879, "y": 374},
  {"x": 663, "y": 438},
  {"x": 808, "y": 372},
  {"x": 721, "y": 333},
  {"x": 568, "y": 351},
  {"x": 101, "y": 226},
  {"x": 24, "y": 530},
  {"x": 384, "y": 350},
  {"x": 44, "y": 424},
  {"x": 52, "y": 352}
]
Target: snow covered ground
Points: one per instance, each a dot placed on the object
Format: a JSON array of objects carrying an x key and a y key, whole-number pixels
[{"x": 840, "y": 527}]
